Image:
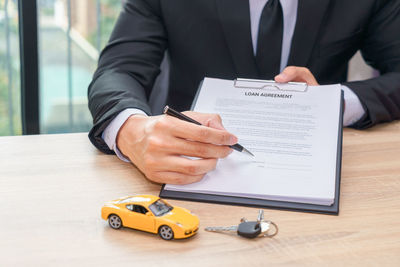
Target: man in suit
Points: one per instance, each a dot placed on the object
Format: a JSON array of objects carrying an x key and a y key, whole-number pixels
[{"x": 229, "y": 39}]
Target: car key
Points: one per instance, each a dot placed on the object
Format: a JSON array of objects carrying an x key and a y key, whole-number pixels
[
  {"x": 248, "y": 229},
  {"x": 260, "y": 216},
  {"x": 266, "y": 226}
]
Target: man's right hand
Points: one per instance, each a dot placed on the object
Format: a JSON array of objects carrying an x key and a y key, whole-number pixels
[{"x": 159, "y": 146}]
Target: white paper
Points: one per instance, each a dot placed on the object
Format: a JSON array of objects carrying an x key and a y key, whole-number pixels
[{"x": 293, "y": 135}]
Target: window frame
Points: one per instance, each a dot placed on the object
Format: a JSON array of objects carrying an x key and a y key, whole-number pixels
[{"x": 28, "y": 40}]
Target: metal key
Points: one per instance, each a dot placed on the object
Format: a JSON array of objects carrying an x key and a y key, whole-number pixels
[
  {"x": 248, "y": 229},
  {"x": 266, "y": 226},
  {"x": 260, "y": 216}
]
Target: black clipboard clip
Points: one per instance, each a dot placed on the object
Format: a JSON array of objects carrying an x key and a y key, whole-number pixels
[{"x": 269, "y": 84}]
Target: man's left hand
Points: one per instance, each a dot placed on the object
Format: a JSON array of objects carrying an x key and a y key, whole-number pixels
[{"x": 296, "y": 74}]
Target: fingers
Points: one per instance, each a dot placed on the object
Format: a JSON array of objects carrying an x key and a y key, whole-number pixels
[
  {"x": 296, "y": 74},
  {"x": 170, "y": 145},
  {"x": 155, "y": 145},
  {"x": 175, "y": 178},
  {"x": 205, "y": 134},
  {"x": 188, "y": 166},
  {"x": 179, "y": 170},
  {"x": 200, "y": 133},
  {"x": 168, "y": 125},
  {"x": 195, "y": 149}
]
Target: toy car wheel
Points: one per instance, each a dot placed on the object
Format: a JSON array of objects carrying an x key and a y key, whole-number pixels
[
  {"x": 166, "y": 232},
  {"x": 114, "y": 221}
]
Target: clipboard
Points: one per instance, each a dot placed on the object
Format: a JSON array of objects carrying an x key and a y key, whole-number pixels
[
  {"x": 263, "y": 203},
  {"x": 268, "y": 85}
]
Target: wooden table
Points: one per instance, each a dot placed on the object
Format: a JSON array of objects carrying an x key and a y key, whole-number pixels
[{"x": 53, "y": 186}]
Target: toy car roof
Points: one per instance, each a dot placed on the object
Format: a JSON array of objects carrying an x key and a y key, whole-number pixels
[{"x": 143, "y": 199}]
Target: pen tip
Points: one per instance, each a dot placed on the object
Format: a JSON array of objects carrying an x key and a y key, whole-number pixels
[{"x": 247, "y": 152}]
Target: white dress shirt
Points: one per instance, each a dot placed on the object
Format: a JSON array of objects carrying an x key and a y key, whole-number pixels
[{"x": 353, "y": 111}]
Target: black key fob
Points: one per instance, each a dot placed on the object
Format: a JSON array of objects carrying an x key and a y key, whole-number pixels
[{"x": 249, "y": 229}]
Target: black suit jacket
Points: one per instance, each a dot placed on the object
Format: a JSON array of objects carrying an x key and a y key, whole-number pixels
[{"x": 212, "y": 38}]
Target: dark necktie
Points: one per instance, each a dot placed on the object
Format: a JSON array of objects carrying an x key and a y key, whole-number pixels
[{"x": 269, "y": 43}]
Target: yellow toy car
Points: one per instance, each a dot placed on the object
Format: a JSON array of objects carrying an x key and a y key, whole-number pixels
[{"x": 151, "y": 214}]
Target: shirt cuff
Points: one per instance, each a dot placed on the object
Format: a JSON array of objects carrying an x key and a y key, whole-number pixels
[
  {"x": 354, "y": 110},
  {"x": 109, "y": 135}
]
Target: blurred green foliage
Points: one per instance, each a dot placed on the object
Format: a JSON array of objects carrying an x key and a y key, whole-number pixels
[
  {"x": 5, "y": 118},
  {"x": 4, "y": 97}
]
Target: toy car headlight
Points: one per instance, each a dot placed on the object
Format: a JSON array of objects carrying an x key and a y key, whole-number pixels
[{"x": 188, "y": 232}]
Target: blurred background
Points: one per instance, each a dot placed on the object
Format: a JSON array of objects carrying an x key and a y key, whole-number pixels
[{"x": 71, "y": 33}]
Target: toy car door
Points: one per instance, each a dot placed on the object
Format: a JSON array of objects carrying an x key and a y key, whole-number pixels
[{"x": 140, "y": 218}]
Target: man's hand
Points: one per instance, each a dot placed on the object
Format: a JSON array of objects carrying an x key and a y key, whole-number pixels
[
  {"x": 157, "y": 145},
  {"x": 296, "y": 74}
]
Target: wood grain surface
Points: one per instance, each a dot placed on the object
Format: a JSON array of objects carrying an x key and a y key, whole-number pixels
[{"x": 52, "y": 188}]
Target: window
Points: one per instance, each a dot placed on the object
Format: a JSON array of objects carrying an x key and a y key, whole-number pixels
[
  {"x": 71, "y": 34},
  {"x": 10, "y": 104},
  {"x": 160, "y": 207},
  {"x": 137, "y": 208}
]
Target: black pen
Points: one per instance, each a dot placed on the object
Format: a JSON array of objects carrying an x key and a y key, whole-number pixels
[{"x": 177, "y": 114}]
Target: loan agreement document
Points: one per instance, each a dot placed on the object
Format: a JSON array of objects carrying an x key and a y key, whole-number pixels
[{"x": 293, "y": 135}]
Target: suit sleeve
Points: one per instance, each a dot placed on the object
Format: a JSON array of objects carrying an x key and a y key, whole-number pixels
[
  {"x": 381, "y": 49},
  {"x": 128, "y": 66}
]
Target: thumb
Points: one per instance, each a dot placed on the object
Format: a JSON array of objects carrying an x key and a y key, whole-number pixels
[{"x": 285, "y": 76}]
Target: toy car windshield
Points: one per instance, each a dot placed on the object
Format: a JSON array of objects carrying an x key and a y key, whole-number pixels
[{"x": 159, "y": 208}]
